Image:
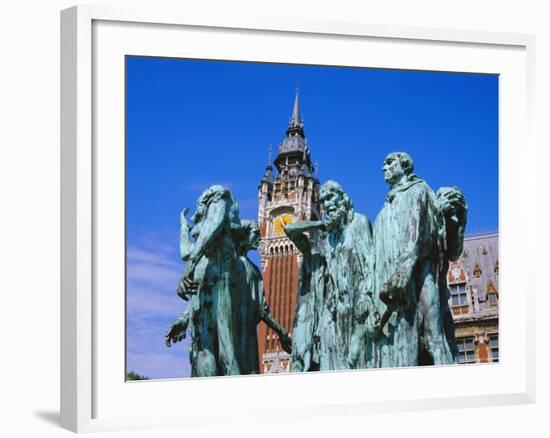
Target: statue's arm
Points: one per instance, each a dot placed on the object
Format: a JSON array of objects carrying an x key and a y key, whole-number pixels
[
  {"x": 415, "y": 249},
  {"x": 186, "y": 245},
  {"x": 178, "y": 330},
  {"x": 456, "y": 246},
  {"x": 296, "y": 232},
  {"x": 454, "y": 208},
  {"x": 273, "y": 324},
  {"x": 210, "y": 229}
]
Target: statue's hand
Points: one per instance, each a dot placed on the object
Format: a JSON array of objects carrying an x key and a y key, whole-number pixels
[
  {"x": 445, "y": 204},
  {"x": 322, "y": 227},
  {"x": 395, "y": 293},
  {"x": 451, "y": 202},
  {"x": 182, "y": 292},
  {"x": 176, "y": 332},
  {"x": 187, "y": 286},
  {"x": 190, "y": 284},
  {"x": 183, "y": 219}
]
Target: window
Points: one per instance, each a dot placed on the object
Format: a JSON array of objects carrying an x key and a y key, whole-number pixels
[
  {"x": 466, "y": 350},
  {"x": 492, "y": 294},
  {"x": 477, "y": 271},
  {"x": 458, "y": 295},
  {"x": 496, "y": 268},
  {"x": 493, "y": 344}
]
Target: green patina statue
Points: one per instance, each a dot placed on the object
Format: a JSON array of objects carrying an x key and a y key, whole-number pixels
[
  {"x": 368, "y": 297},
  {"x": 312, "y": 290},
  {"x": 415, "y": 236},
  {"x": 335, "y": 308},
  {"x": 223, "y": 287},
  {"x": 210, "y": 283},
  {"x": 452, "y": 205},
  {"x": 349, "y": 315},
  {"x": 251, "y": 306}
]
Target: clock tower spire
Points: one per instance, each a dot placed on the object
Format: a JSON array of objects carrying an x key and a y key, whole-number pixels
[{"x": 286, "y": 194}]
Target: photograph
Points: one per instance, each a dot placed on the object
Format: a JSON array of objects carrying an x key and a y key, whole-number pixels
[{"x": 285, "y": 218}]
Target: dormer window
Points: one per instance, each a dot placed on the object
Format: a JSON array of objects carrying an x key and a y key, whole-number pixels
[
  {"x": 477, "y": 271},
  {"x": 492, "y": 294},
  {"x": 456, "y": 273},
  {"x": 458, "y": 294}
]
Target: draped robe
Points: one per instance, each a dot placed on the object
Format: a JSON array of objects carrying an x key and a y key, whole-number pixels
[{"x": 407, "y": 237}]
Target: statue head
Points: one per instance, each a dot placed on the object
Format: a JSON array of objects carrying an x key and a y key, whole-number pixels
[
  {"x": 335, "y": 204},
  {"x": 251, "y": 236},
  {"x": 211, "y": 195},
  {"x": 398, "y": 166}
]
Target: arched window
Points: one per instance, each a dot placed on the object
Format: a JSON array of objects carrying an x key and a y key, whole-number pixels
[
  {"x": 477, "y": 271},
  {"x": 492, "y": 294}
]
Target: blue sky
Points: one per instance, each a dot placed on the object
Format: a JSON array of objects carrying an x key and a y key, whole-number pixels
[{"x": 192, "y": 123}]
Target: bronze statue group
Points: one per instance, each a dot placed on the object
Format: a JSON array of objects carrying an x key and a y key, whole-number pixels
[{"x": 370, "y": 296}]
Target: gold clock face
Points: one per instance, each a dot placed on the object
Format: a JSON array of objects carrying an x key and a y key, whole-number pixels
[{"x": 280, "y": 222}]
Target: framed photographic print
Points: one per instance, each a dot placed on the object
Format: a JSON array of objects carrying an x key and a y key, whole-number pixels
[{"x": 379, "y": 172}]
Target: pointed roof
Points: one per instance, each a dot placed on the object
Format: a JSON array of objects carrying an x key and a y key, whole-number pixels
[
  {"x": 296, "y": 119},
  {"x": 268, "y": 174},
  {"x": 296, "y": 124},
  {"x": 293, "y": 150}
]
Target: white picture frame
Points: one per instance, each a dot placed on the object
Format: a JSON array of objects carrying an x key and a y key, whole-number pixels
[{"x": 94, "y": 396}]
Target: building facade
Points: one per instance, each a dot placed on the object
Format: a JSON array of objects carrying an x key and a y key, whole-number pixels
[
  {"x": 290, "y": 192},
  {"x": 473, "y": 283}
]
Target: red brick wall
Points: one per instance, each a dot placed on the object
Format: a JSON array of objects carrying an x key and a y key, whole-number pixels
[{"x": 281, "y": 289}]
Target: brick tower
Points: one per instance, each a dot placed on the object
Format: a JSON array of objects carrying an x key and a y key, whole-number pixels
[{"x": 288, "y": 195}]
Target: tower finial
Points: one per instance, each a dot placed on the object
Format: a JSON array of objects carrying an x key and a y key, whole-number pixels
[
  {"x": 296, "y": 124},
  {"x": 268, "y": 174},
  {"x": 316, "y": 170},
  {"x": 296, "y": 120}
]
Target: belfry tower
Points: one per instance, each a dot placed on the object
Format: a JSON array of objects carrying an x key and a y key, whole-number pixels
[{"x": 288, "y": 195}]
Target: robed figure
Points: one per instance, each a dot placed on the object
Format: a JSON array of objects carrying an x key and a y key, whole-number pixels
[
  {"x": 312, "y": 289},
  {"x": 411, "y": 253},
  {"x": 250, "y": 305},
  {"x": 210, "y": 284},
  {"x": 348, "y": 317}
]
